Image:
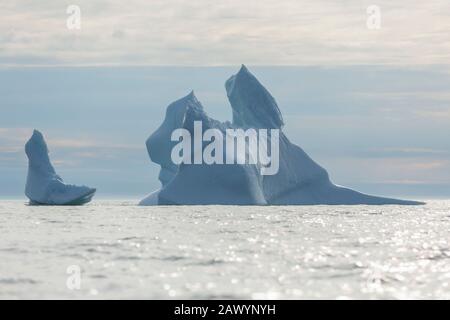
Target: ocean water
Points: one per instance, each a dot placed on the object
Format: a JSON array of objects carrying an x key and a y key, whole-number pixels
[{"x": 295, "y": 252}]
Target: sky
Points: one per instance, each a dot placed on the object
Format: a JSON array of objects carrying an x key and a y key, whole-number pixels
[
  {"x": 224, "y": 32},
  {"x": 370, "y": 105}
]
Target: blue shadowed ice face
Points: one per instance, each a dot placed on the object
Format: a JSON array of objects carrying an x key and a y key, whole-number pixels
[{"x": 37, "y": 151}]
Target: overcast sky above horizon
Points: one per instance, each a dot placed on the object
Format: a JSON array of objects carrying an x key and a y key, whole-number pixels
[
  {"x": 224, "y": 32},
  {"x": 371, "y": 106}
]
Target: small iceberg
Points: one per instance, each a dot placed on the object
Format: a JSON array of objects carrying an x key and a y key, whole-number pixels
[{"x": 44, "y": 186}]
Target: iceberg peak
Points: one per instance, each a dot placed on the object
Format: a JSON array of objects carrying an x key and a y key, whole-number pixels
[
  {"x": 37, "y": 151},
  {"x": 243, "y": 69},
  {"x": 37, "y": 133},
  {"x": 252, "y": 104},
  {"x": 38, "y": 138}
]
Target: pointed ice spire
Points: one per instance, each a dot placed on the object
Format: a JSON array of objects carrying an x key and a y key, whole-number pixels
[
  {"x": 252, "y": 104},
  {"x": 37, "y": 153}
]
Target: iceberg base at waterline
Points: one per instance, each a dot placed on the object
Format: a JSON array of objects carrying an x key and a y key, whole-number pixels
[
  {"x": 44, "y": 186},
  {"x": 78, "y": 201}
]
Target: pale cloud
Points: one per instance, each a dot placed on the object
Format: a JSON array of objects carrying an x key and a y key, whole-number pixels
[
  {"x": 442, "y": 115},
  {"x": 71, "y": 143},
  {"x": 86, "y": 143},
  {"x": 15, "y": 134},
  {"x": 225, "y": 32},
  {"x": 382, "y": 170},
  {"x": 432, "y": 95},
  {"x": 12, "y": 141},
  {"x": 405, "y": 182},
  {"x": 65, "y": 163},
  {"x": 409, "y": 151},
  {"x": 429, "y": 165},
  {"x": 10, "y": 149},
  {"x": 67, "y": 153},
  {"x": 14, "y": 138}
]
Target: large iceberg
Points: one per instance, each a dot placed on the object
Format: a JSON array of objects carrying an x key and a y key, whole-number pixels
[
  {"x": 298, "y": 181},
  {"x": 44, "y": 186}
]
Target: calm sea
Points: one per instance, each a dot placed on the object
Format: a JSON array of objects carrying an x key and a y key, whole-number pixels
[{"x": 115, "y": 249}]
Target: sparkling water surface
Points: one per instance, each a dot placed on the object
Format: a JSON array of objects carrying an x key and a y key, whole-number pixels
[{"x": 215, "y": 252}]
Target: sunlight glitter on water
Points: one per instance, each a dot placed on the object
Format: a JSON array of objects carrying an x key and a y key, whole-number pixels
[{"x": 295, "y": 252}]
